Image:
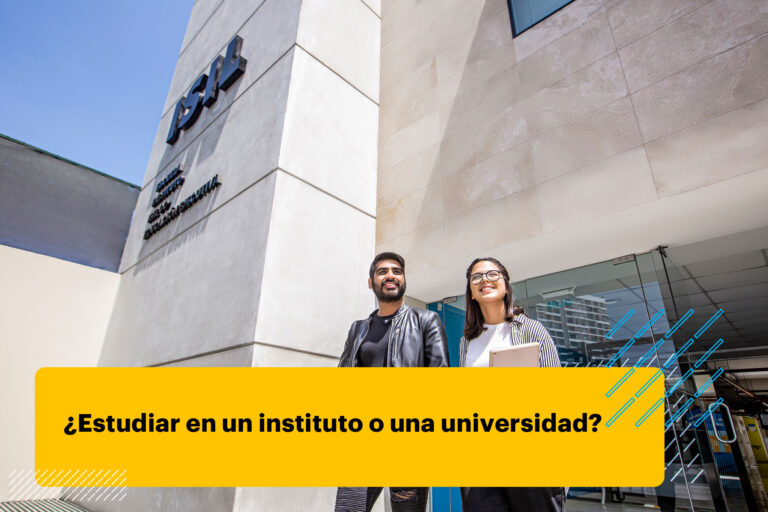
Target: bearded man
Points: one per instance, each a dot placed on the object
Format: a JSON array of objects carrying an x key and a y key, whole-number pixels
[{"x": 394, "y": 335}]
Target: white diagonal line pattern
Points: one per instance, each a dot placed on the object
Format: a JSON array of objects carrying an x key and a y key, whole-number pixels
[{"x": 71, "y": 484}]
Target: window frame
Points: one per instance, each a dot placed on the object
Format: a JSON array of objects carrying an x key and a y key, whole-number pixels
[{"x": 512, "y": 17}]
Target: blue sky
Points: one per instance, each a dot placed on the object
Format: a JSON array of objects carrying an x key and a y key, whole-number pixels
[{"x": 87, "y": 79}]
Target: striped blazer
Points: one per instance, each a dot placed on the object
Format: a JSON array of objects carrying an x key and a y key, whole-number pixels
[{"x": 524, "y": 330}]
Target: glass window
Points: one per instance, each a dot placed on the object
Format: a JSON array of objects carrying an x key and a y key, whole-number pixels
[{"x": 526, "y": 13}]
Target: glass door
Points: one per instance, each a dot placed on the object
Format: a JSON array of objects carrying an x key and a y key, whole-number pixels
[
  {"x": 606, "y": 315},
  {"x": 617, "y": 313},
  {"x": 713, "y": 465}
]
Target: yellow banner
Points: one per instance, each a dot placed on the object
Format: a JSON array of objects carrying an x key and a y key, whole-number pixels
[{"x": 351, "y": 426}]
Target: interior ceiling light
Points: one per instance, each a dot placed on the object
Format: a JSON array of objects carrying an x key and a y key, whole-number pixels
[{"x": 556, "y": 294}]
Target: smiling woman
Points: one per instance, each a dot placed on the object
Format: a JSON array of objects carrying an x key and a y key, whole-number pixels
[{"x": 492, "y": 323}]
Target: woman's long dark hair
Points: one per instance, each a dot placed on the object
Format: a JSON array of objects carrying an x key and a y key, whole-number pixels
[{"x": 473, "y": 322}]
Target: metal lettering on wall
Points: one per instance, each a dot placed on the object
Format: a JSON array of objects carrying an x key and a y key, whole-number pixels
[
  {"x": 163, "y": 212},
  {"x": 224, "y": 72}
]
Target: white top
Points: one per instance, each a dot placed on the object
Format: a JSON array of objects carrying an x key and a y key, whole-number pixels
[
  {"x": 524, "y": 330},
  {"x": 494, "y": 337}
]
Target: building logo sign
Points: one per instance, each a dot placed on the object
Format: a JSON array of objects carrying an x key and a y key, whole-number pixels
[
  {"x": 163, "y": 213},
  {"x": 224, "y": 72}
]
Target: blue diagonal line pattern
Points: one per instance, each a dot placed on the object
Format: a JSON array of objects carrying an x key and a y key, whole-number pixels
[
  {"x": 620, "y": 412},
  {"x": 674, "y": 357},
  {"x": 620, "y": 382},
  {"x": 709, "y": 353},
  {"x": 651, "y": 351},
  {"x": 679, "y": 382},
  {"x": 650, "y": 381},
  {"x": 618, "y": 354},
  {"x": 679, "y": 413},
  {"x": 620, "y": 323},
  {"x": 708, "y": 413},
  {"x": 632, "y": 341},
  {"x": 650, "y": 323},
  {"x": 649, "y": 412},
  {"x": 708, "y": 324},
  {"x": 712, "y": 379},
  {"x": 679, "y": 323}
]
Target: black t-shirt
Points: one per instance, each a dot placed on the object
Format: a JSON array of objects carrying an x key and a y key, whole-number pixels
[{"x": 373, "y": 349}]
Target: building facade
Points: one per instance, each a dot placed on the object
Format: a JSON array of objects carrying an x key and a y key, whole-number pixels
[{"x": 612, "y": 155}]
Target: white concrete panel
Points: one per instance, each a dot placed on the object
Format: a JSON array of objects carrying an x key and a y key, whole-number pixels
[
  {"x": 199, "y": 292},
  {"x": 202, "y": 10},
  {"x": 316, "y": 272},
  {"x": 267, "y": 36},
  {"x": 375, "y": 6},
  {"x": 226, "y": 20},
  {"x": 167, "y": 499},
  {"x": 237, "y": 358},
  {"x": 345, "y": 35},
  {"x": 330, "y": 134},
  {"x": 266, "y": 356},
  {"x": 52, "y": 313},
  {"x": 241, "y": 147},
  {"x": 611, "y": 185},
  {"x": 280, "y": 499},
  {"x": 672, "y": 221}
]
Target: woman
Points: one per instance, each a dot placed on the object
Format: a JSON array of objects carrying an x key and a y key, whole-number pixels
[{"x": 493, "y": 322}]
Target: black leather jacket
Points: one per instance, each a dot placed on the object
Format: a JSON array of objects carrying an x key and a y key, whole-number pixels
[{"x": 416, "y": 338}]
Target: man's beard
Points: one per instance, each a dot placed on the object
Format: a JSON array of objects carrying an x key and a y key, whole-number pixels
[{"x": 383, "y": 296}]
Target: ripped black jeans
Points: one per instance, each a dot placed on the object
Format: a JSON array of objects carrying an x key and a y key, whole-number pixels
[
  {"x": 361, "y": 499},
  {"x": 513, "y": 499}
]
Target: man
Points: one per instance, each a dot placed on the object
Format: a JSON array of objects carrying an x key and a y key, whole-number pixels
[{"x": 396, "y": 334}]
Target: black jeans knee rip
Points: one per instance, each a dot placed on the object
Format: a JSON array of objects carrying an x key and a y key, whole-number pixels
[{"x": 405, "y": 495}]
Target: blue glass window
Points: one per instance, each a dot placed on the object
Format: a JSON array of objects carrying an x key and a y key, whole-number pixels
[{"x": 527, "y": 13}]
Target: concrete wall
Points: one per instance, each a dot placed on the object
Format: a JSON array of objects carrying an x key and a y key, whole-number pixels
[
  {"x": 55, "y": 207},
  {"x": 609, "y": 128},
  {"x": 271, "y": 268},
  {"x": 52, "y": 313}
]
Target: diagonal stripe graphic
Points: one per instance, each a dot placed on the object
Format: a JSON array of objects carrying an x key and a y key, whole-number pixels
[
  {"x": 709, "y": 412},
  {"x": 708, "y": 324},
  {"x": 619, "y": 412},
  {"x": 86, "y": 486},
  {"x": 45, "y": 480},
  {"x": 650, "y": 323},
  {"x": 28, "y": 485},
  {"x": 632, "y": 341},
  {"x": 618, "y": 354},
  {"x": 62, "y": 478},
  {"x": 21, "y": 484},
  {"x": 102, "y": 483},
  {"x": 620, "y": 382},
  {"x": 677, "y": 385},
  {"x": 679, "y": 412},
  {"x": 620, "y": 323},
  {"x": 649, "y": 412},
  {"x": 679, "y": 323},
  {"x": 674, "y": 357},
  {"x": 650, "y": 381},
  {"x": 709, "y": 382},
  {"x": 108, "y": 479},
  {"x": 708, "y": 353},
  {"x": 118, "y": 490},
  {"x": 651, "y": 351}
]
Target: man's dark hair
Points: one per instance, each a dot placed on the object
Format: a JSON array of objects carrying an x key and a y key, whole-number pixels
[{"x": 386, "y": 256}]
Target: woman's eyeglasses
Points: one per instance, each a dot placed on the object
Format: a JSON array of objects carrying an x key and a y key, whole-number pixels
[{"x": 491, "y": 275}]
